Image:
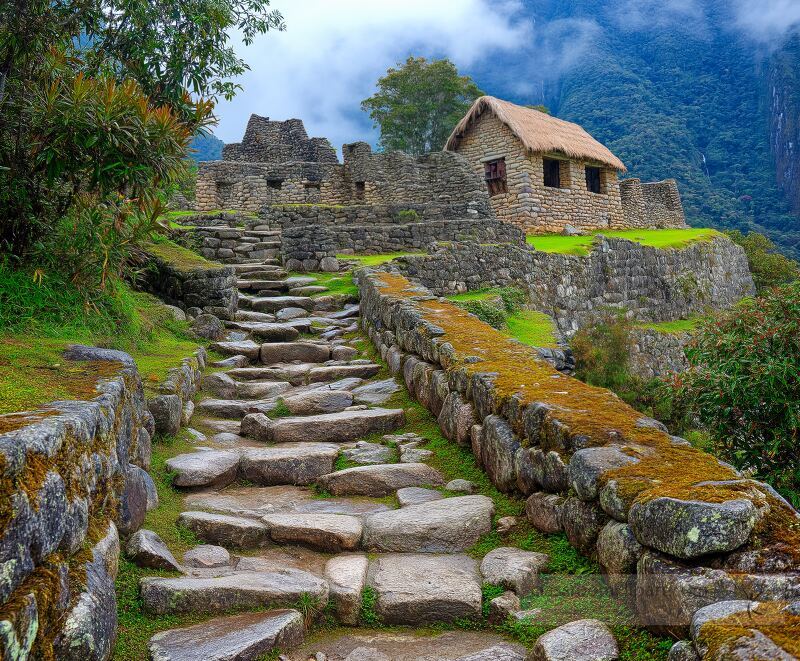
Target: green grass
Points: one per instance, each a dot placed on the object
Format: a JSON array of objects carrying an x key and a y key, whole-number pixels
[
  {"x": 582, "y": 245},
  {"x": 531, "y": 327},
  {"x": 39, "y": 319},
  {"x": 377, "y": 260},
  {"x": 476, "y": 295},
  {"x": 677, "y": 326},
  {"x": 181, "y": 258},
  {"x": 337, "y": 283}
]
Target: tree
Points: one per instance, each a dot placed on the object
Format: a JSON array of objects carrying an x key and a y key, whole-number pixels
[
  {"x": 768, "y": 266},
  {"x": 743, "y": 385},
  {"x": 98, "y": 103},
  {"x": 419, "y": 103}
]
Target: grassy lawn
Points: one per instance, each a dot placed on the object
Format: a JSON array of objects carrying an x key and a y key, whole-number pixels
[
  {"x": 531, "y": 327},
  {"x": 582, "y": 245},
  {"x": 37, "y": 321},
  {"x": 376, "y": 260},
  {"x": 181, "y": 258},
  {"x": 677, "y": 326}
]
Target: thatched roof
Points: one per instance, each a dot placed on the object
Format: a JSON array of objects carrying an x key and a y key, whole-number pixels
[{"x": 538, "y": 132}]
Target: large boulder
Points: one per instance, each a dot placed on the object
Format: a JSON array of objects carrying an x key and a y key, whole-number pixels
[
  {"x": 234, "y": 638},
  {"x": 582, "y": 640},
  {"x": 456, "y": 418},
  {"x": 146, "y": 549},
  {"x": 201, "y": 469},
  {"x": 331, "y": 533},
  {"x": 588, "y": 465},
  {"x": 230, "y": 531},
  {"x": 442, "y": 526},
  {"x": 293, "y": 463},
  {"x": 287, "y": 352},
  {"x": 326, "y": 428},
  {"x": 166, "y": 411},
  {"x": 208, "y": 326},
  {"x": 319, "y": 401},
  {"x": 582, "y": 523},
  {"x": 544, "y": 511},
  {"x": 132, "y": 501},
  {"x": 498, "y": 448},
  {"x": 514, "y": 569},
  {"x": 688, "y": 528}
]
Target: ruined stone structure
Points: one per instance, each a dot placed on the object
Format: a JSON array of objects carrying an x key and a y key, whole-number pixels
[
  {"x": 544, "y": 174},
  {"x": 268, "y": 141}
]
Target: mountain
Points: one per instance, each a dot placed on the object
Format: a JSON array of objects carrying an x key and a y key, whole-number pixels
[
  {"x": 206, "y": 148},
  {"x": 675, "y": 89}
]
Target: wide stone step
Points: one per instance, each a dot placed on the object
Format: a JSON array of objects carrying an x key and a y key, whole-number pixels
[
  {"x": 234, "y": 409},
  {"x": 249, "y": 315},
  {"x": 420, "y": 589},
  {"x": 287, "y": 352},
  {"x": 225, "y": 530},
  {"x": 294, "y": 463},
  {"x": 333, "y": 372},
  {"x": 307, "y": 290},
  {"x": 348, "y": 312},
  {"x": 326, "y": 428},
  {"x": 259, "y": 501},
  {"x": 271, "y": 332},
  {"x": 275, "y": 303},
  {"x": 236, "y": 638},
  {"x": 252, "y": 285},
  {"x": 202, "y": 469},
  {"x": 379, "y": 480},
  {"x": 332, "y": 533},
  {"x": 246, "y": 348},
  {"x": 442, "y": 526},
  {"x": 242, "y": 590}
]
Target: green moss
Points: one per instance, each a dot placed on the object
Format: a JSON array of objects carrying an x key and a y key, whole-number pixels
[
  {"x": 180, "y": 258},
  {"x": 376, "y": 260},
  {"x": 476, "y": 295},
  {"x": 337, "y": 283},
  {"x": 582, "y": 245},
  {"x": 531, "y": 327},
  {"x": 368, "y": 616}
]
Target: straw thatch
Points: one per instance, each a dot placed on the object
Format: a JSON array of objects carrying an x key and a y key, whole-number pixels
[{"x": 538, "y": 132}]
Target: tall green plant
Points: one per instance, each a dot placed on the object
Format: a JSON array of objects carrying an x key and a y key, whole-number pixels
[{"x": 602, "y": 351}]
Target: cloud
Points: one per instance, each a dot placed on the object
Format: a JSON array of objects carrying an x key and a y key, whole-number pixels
[
  {"x": 767, "y": 21},
  {"x": 332, "y": 53},
  {"x": 687, "y": 16}
]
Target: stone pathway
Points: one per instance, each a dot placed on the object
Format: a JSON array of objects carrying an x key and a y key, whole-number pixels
[{"x": 283, "y": 529}]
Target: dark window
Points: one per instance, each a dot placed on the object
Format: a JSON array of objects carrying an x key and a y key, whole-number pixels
[
  {"x": 311, "y": 184},
  {"x": 361, "y": 187},
  {"x": 494, "y": 172},
  {"x": 275, "y": 183},
  {"x": 593, "y": 184},
  {"x": 552, "y": 173}
]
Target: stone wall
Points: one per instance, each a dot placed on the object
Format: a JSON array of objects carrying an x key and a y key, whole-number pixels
[
  {"x": 230, "y": 244},
  {"x": 651, "y": 283},
  {"x": 210, "y": 289},
  {"x": 303, "y": 247},
  {"x": 73, "y": 480},
  {"x": 654, "y": 205},
  {"x": 441, "y": 179},
  {"x": 537, "y": 208},
  {"x": 268, "y": 141},
  {"x": 654, "y": 353},
  {"x": 672, "y": 528}
]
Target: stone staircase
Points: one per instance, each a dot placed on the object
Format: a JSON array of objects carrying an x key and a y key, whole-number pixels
[
  {"x": 253, "y": 245},
  {"x": 287, "y": 535}
]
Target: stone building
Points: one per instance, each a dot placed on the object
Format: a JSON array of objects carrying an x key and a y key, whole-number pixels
[{"x": 544, "y": 173}]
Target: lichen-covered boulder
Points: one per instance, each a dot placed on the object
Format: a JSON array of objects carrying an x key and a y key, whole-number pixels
[
  {"x": 544, "y": 511},
  {"x": 456, "y": 418},
  {"x": 166, "y": 411},
  {"x": 618, "y": 552},
  {"x": 588, "y": 465},
  {"x": 688, "y": 529},
  {"x": 498, "y": 447},
  {"x": 146, "y": 549},
  {"x": 514, "y": 569},
  {"x": 132, "y": 501},
  {"x": 582, "y": 523},
  {"x": 208, "y": 326}
]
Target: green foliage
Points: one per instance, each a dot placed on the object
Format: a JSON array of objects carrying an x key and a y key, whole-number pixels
[
  {"x": 602, "y": 351},
  {"x": 488, "y": 312},
  {"x": 280, "y": 410},
  {"x": 768, "y": 266},
  {"x": 418, "y": 104},
  {"x": 368, "y": 616},
  {"x": 489, "y": 592},
  {"x": 493, "y": 306},
  {"x": 408, "y": 215},
  {"x": 744, "y": 384}
]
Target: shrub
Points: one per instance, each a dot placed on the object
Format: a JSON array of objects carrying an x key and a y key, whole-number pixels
[
  {"x": 768, "y": 266},
  {"x": 744, "y": 384},
  {"x": 602, "y": 351},
  {"x": 488, "y": 312},
  {"x": 408, "y": 215}
]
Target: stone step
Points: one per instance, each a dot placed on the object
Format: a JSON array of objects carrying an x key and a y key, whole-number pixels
[
  {"x": 224, "y": 530},
  {"x": 304, "y": 373},
  {"x": 333, "y": 372},
  {"x": 262, "y": 233},
  {"x": 379, "y": 480},
  {"x": 332, "y": 533},
  {"x": 235, "y": 409},
  {"x": 246, "y": 348},
  {"x": 256, "y": 502},
  {"x": 275, "y": 303},
  {"x": 307, "y": 290},
  {"x": 348, "y": 312},
  {"x": 419, "y": 589},
  {"x": 216, "y": 468},
  {"x": 249, "y": 315},
  {"x": 449, "y": 525},
  {"x": 288, "y": 352},
  {"x": 293, "y": 463},
  {"x": 271, "y": 332},
  {"x": 235, "y": 638},
  {"x": 234, "y": 591},
  {"x": 256, "y": 286},
  {"x": 330, "y": 427},
  {"x": 274, "y": 270}
]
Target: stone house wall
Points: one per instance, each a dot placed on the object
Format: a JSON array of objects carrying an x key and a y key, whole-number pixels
[
  {"x": 666, "y": 555},
  {"x": 655, "y": 354},
  {"x": 650, "y": 283},
  {"x": 537, "y": 208},
  {"x": 74, "y": 479}
]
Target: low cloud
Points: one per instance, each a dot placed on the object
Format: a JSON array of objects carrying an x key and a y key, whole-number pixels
[
  {"x": 767, "y": 21},
  {"x": 332, "y": 54},
  {"x": 686, "y": 16}
]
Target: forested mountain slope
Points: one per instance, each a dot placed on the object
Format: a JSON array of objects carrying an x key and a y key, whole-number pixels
[{"x": 676, "y": 89}]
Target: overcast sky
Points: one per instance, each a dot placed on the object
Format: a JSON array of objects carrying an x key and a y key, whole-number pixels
[{"x": 334, "y": 51}]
